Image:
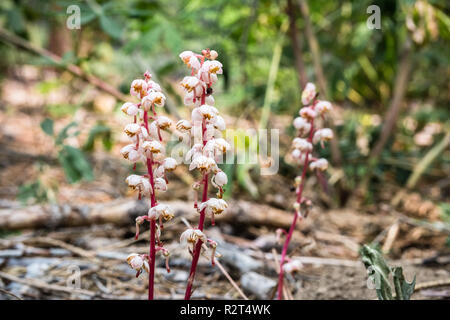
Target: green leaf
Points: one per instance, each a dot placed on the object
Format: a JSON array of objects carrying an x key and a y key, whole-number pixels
[
  {"x": 79, "y": 162},
  {"x": 75, "y": 165},
  {"x": 99, "y": 131},
  {"x": 64, "y": 133},
  {"x": 110, "y": 26},
  {"x": 72, "y": 175},
  {"x": 87, "y": 17},
  {"x": 374, "y": 262},
  {"x": 47, "y": 126},
  {"x": 33, "y": 192},
  {"x": 403, "y": 289}
]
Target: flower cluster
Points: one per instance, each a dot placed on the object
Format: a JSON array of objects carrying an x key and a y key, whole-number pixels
[
  {"x": 302, "y": 149},
  {"x": 205, "y": 130},
  {"x": 308, "y": 134},
  {"x": 148, "y": 148}
]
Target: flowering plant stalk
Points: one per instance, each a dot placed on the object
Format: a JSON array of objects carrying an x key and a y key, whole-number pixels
[
  {"x": 205, "y": 129},
  {"x": 302, "y": 147},
  {"x": 147, "y": 147}
]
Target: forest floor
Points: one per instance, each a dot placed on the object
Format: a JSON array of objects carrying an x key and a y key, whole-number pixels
[{"x": 87, "y": 260}]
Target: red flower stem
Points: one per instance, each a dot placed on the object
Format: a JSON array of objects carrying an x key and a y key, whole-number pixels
[
  {"x": 151, "y": 273},
  {"x": 198, "y": 245},
  {"x": 294, "y": 221},
  {"x": 201, "y": 222}
]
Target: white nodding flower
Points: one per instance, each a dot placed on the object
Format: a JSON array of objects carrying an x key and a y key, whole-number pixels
[
  {"x": 186, "y": 55},
  {"x": 323, "y": 107},
  {"x": 160, "y": 184},
  {"x": 219, "y": 124},
  {"x": 161, "y": 210},
  {"x": 308, "y": 113},
  {"x": 219, "y": 179},
  {"x": 212, "y": 67},
  {"x": 193, "y": 63},
  {"x": 153, "y": 98},
  {"x": 125, "y": 151},
  {"x": 133, "y": 180},
  {"x": 135, "y": 155},
  {"x": 138, "y": 88},
  {"x": 153, "y": 146},
  {"x": 212, "y": 55},
  {"x": 192, "y": 236},
  {"x": 157, "y": 98},
  {"x": 208, "y": 112},
  {"x": 213, "y": 206},
  {"x": 193, "y": 84},
  {"x": 323, "y": 135},
  {"x": 210, "y": 100},
  {"x": 169, "y": 164},
  {"x": 195, "y": 151},
  {"x": 190, "y": 59},
  {"x": 216, "y": 146},
  {"x": 308, "y": 93},
  {"x": 135, "y": 261},
  {"x": 298, "y": 156},
  {"x": 183, "y": 125},
  {"x": 137, "y": 182},
  {"x": 153, "y": 86},
  {"x": 302, "y": 125},
  {"x": 203, "y": 163},
  {"x": 321, "y": 164},
  {"x": 302, "y": 144},
  {"x": 163, "y": 122},
  {"x": 132, "y": 129},
  {"x": 130, "y": 109},
  {"x": 292, "y": 266}
]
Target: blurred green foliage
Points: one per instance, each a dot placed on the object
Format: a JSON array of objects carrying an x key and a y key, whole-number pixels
[{"x": 76, "y": 166}]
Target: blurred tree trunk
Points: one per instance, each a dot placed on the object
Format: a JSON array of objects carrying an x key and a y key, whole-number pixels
[
  {"x": 390, "y": 118},
  {"x": 60, "y": 39},
  {"x": 297, "y": 45}
]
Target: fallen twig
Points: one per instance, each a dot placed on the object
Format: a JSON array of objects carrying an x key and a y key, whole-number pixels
[{"x": 10, "y": 294}]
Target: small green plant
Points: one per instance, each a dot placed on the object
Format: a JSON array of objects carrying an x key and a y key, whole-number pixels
[
  {"x": 75, "y": 165},
  {"x": 379, "y": 271}
]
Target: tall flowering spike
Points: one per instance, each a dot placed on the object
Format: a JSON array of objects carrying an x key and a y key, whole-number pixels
[
  {"x": 147, "y": 147},
  {"x": 204, "y": 130},
  {"x": 302, "y": 149}
]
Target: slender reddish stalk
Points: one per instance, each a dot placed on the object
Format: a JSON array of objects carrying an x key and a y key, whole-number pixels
[
  {"x": 294, "y": 221},
  {"x": 152, "y": 253},
  {"x": 201, "y": 222},
  {"x": 198, "y": 245}
]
